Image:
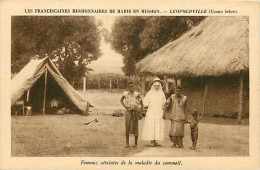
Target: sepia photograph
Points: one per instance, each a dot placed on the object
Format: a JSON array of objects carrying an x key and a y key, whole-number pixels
[{"x": 129, "y": 86}]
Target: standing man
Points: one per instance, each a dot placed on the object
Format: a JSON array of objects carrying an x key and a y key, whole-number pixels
[
  {"x": 132, "y": 102},
  {"x": 177, "y": 102}
]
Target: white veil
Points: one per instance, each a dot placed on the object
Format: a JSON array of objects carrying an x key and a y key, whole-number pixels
[{"x": 154, "y": 96}]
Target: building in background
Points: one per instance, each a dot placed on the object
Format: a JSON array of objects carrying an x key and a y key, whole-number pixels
[{"x": 212, "y": 62}]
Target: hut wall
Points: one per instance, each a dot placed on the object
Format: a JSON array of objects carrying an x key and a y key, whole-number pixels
[
  {"x": 246, "y": 96},
  {"x": 193, "y": 89},
  {"x": 222, "y": 98}
]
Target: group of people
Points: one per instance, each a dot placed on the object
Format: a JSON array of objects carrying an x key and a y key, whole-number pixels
[{"x": 154, "y": 108}]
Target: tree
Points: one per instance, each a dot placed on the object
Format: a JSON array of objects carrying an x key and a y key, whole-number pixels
[
  {"x": 136, "y": 37},
  {"x": 70, "y": 61},
  {"x": 72, "y": 42},
  {"x": 126, "y": 41}
]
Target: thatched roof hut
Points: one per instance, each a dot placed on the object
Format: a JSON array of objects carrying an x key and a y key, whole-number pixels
[
  {"x": 217, "y": 46},
  {"x": 213, "y": 57}
]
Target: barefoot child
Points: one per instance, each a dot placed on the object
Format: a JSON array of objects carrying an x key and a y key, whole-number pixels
[
  {"x": 132, "y": 102},
  {"x": 194, "y": 128}
]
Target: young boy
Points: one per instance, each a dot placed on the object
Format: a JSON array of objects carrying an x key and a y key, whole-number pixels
[
  {"x": 194, "y": 128},
  {"x": 132, "y": 102}
]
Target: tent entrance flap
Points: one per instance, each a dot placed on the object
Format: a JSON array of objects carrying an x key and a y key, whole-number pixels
[
  {"x": 36, "y": 95},
  {"x": 53, "y": 91}
]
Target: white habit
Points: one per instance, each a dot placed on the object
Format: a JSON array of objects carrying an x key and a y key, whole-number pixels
[{"x": 153, "y": 126}]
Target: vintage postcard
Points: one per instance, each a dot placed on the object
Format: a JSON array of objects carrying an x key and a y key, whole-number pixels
[{"x": 151, "y": 85}]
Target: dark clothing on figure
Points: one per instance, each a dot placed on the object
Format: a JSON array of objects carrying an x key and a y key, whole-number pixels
[
  {"x": 131, "y": 123},
  {"x": 194, "y": 135},
  {"x": 132, "y": 100},
  {"x": 177, "y": 128},
  {"x": 194, "y": 132},
  {"x": 177, "y": 116}
]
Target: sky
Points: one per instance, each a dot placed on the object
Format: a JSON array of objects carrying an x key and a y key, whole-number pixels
[
  {"x": 107, "y": 21},
  {"x": 110, "y": 61}
]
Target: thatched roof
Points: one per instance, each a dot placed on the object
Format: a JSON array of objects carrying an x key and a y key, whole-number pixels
[{"x": 217, "y": 46}]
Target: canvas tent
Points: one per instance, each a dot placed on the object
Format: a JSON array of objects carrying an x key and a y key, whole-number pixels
[
  {"x": 212, "y": 60},
  {"x": 42, "y": 81}
]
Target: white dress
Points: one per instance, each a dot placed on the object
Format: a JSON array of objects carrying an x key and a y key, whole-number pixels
[{"x": 153, "y": 126}]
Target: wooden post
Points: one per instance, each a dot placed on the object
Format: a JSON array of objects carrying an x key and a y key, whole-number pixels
[
  {"x": 99, "y": 83},
  {"x": 175, "y": 82},
  {"x": 110, "y": 84},
  {"x": 23, "y": 108},
  {"x": 84, "y": 87},
  {"x": 142, "y": 81},
  {"x": 167, "y": 85},
  {"x": 45, "y": 91},
  {"x": 241, "y": 99},
  {"x": 27, "y": 95},
  {"x": 179, "y": 83},
  {"x": 205, "y": 94}
]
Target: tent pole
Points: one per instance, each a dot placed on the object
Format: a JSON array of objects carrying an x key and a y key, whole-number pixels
[
  {"x": 240, "y": 107},
  {"x": 205, "y": 93},
  {"x": 45, "y": 90}
]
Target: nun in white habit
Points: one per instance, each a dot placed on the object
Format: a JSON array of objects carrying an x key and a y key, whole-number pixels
[{"x": 153, "y": 126}]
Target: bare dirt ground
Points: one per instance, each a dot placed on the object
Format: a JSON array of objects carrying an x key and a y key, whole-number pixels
[{"x": 66, "y": 135}]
